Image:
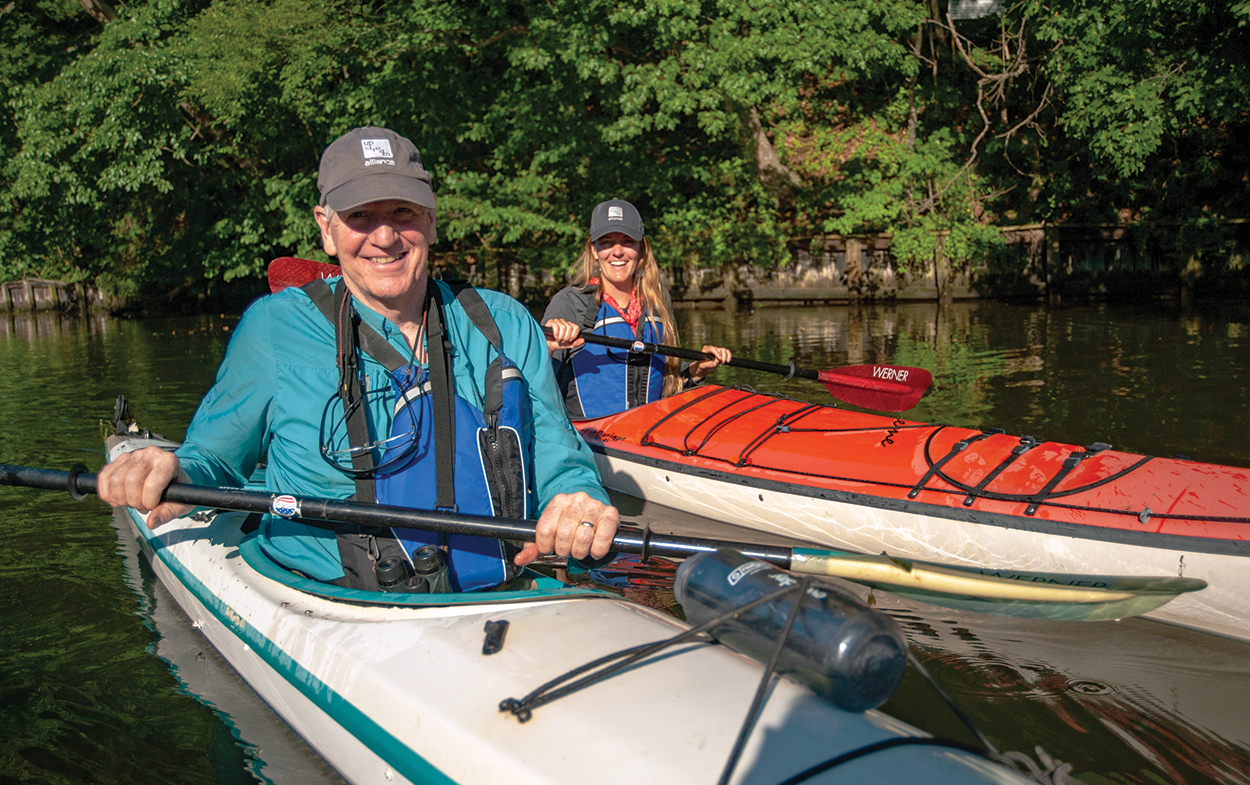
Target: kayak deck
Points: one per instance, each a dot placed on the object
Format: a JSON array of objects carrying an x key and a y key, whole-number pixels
[
  {"x": 824, "y": 447},
  {"x": 398, "y": 689}
]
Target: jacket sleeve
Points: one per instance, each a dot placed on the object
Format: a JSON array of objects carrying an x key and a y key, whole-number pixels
[{"x": 569, "y": 304}]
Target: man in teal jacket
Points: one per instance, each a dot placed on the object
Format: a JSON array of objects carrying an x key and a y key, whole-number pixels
[{"x": 276, "y": 389}]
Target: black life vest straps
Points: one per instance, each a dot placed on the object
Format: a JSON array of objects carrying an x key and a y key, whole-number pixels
[
  {"x": 348, "y": 334},
  {"x": 352, "y": 391},
  {"x": 374, "y": 345},
  {"x": 443, "y": 388},
  {"x": 443, "y": 384},
  {"x": 475, "y": 308},
  {"x": 336, "y": 307}
]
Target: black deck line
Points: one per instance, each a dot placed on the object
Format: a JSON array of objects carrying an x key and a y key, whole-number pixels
[{"x": 1143, "y": 539}]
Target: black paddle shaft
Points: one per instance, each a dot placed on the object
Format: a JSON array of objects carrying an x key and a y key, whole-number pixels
[
  {"x": 690, "y": 354},
  {"x": 312, "y": 510}
]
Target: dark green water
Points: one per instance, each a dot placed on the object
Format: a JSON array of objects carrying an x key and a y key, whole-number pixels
[{"x": 90, "y": 692}]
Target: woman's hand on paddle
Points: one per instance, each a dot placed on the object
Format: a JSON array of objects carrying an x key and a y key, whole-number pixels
[
  {"x": 698, "y": 370},
  {"x": 574, "y": 524},
  {"x": 137, "y": 479},
  {"x": 564, "y": 335}
]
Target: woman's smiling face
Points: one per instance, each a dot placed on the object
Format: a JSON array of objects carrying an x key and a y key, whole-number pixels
[{"x": 617, "y": 254}]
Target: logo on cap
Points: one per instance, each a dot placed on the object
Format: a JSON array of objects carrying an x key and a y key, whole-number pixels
[
  {"x": 616, "y": 214},
  {"x": 376, "y": 148}
]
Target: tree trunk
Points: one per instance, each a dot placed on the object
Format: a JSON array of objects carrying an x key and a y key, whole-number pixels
[{"x": 99, "y": 10}]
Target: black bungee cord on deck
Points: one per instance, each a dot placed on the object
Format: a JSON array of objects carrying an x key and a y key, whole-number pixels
[
  {"x": 609, "y": 665},
  {"x": 523, "y": 708},
  {"x": 1056, "y": 773},
  {"x": 757, "y": 703},
  {"x": 987, "y": 750}
]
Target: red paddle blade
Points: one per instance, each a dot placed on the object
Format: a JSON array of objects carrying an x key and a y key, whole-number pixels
[
  {"x": 887, "y": 388},
  {"x": 289, "y": 271}
]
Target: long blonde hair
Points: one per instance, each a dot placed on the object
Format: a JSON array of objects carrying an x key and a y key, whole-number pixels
[{"x": 652, "y": 296}]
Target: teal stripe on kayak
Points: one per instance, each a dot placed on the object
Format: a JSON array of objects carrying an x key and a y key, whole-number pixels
[{"x": 395, "y": 753}]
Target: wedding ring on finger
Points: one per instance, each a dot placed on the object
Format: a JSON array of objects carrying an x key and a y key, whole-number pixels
[{"x": 588, "y": 523}]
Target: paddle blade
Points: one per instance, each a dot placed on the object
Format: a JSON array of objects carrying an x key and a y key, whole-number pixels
[
  {"x": 887, "y": 388},
  {"x": 288, "y": 271},
  {"x": 1033, "y": 595}
]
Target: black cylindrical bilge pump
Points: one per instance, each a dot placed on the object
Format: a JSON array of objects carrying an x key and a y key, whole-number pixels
[{"x": 838, "y": 646}]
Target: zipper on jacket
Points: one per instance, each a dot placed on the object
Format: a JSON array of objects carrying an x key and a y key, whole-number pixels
[{"x": 496, "y": 462}]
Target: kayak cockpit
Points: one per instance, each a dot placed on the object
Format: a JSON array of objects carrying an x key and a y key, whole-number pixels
[{"x": 530, "y": 586}]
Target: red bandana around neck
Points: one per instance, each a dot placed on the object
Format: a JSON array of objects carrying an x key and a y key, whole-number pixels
[{"x": 632, "y": 312}]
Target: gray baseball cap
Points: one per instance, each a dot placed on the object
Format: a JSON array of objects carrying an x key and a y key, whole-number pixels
[
  {"x": 370, "y": 164},
  {"x": 615, "y": 215}
]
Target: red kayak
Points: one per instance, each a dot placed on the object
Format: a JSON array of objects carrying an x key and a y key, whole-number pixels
[{"x": 961, "y": 496}]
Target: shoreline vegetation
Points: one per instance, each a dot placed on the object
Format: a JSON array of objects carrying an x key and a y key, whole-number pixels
[{"x": 161, "y": 154}]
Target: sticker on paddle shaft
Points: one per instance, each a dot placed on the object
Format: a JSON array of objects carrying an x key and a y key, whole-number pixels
[{"x": 284, "y": 506}]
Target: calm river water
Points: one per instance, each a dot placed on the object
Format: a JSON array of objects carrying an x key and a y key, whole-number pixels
[{"x": 102, "y": 679}]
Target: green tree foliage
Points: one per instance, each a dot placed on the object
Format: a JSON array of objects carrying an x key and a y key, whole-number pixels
[
  {"x": 1154, "y": 118},
  {"x": 162, "y": 146}
]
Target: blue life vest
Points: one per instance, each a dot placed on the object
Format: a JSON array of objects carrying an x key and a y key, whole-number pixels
[
  {"x": 443, "y": 453},
  {"x": 608, "y": 380},
  {"x": 493, "y": 460}
]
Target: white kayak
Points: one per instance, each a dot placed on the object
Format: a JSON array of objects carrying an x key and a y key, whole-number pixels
[{"x": 396, "y": 688}]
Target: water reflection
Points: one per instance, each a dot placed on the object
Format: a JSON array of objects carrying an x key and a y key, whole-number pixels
[
  {"x": 30, "y": 326},
  {"x": 84, "y": 700},
  {"x": 1130, "y": 701},
  {"x": 265, "y": 748}
]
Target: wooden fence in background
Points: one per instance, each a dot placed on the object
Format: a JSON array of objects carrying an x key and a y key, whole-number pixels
[{"x": 36, "y": 294}]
